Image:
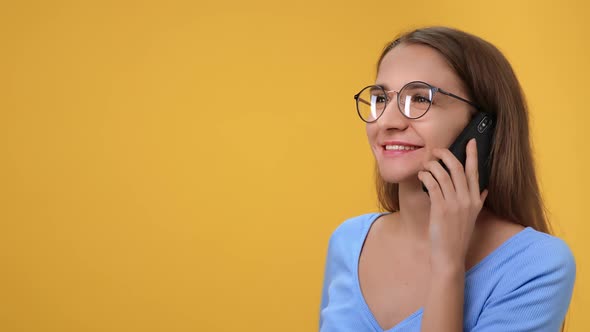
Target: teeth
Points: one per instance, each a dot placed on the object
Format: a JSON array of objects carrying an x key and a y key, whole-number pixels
[{"x": 399, "y": 147}]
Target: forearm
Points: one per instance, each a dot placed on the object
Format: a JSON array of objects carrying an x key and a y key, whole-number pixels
[{"x": 443, "y": 311}]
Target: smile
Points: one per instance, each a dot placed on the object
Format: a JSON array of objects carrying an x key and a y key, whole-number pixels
[
  {"x": 398, "y": 150},
  {"x": 400, "y": 147}
]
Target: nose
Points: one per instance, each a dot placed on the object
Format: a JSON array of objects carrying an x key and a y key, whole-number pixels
[{"x": 392, "y": 117}]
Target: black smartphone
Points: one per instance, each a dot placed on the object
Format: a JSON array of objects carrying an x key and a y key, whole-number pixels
[{"x": 481, "y": 127}]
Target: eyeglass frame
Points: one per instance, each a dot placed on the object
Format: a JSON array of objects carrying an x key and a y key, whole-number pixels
[{"x": 433, "y": 91}]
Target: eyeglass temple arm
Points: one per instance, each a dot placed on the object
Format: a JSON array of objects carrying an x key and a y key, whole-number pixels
[
  {"x": 457, "y": 97},
  {"x": 361, "y": 100}
]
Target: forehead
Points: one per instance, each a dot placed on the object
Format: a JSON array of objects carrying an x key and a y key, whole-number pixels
[{"x": 406, "y": 63}]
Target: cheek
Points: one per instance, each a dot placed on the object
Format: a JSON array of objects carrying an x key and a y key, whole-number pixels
[
  {"x": 441, "y": 133},
  {"x": 371, "y": 133}
]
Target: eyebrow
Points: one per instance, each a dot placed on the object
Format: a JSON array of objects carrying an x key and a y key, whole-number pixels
[{"x": 383, "y": 86}]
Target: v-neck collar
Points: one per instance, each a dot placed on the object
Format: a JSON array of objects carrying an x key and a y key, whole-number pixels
[{"x": 417, "y": 313}]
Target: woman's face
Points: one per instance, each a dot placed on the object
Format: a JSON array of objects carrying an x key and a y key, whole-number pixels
[{"x": 438, "y": 128}]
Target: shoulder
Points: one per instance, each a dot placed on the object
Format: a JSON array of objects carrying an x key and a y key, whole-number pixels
[
  {"x": 531, "y": 273},
  {"x": 352, "y": 228},
  {"x": 355, "y": 224},
  {"x": 522, "y": 244},
  {"x": 536, "y": 249},
  {"x": 345, "y": 243},
  {"x": 548, "y": 252},
  {"x": 521, "y": 254},
  {"x": 539, "y": 258}
]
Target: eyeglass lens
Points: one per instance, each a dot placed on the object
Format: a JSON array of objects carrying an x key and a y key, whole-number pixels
[{"x": 414, "y": 100}]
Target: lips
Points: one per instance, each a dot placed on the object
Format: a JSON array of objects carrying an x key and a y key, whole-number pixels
[
  {"x": 400, "y": 143},
  {"x": 398, "y": 148}
]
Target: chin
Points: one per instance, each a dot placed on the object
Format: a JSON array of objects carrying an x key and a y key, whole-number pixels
[{"x": 396, "y": 176}]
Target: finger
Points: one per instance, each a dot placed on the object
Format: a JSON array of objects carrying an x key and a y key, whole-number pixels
[
  {"x": 436, "y": 196},
  {"x": 456, "y": 169},
  {"x": 442, "y": 177},
  {"x": 472, "y": 169},
  {"x": 483, "y": 196}
]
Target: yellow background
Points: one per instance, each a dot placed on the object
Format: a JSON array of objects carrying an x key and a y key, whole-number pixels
[{"x": 180, "y": 165}]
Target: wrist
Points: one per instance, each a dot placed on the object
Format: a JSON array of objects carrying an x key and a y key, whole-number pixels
[{"x": 447, "y": 267}]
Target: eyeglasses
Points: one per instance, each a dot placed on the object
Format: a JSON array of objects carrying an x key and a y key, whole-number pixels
[{"x": 413, "y": 100}]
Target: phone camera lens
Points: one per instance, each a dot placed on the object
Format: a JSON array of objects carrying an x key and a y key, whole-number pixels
[{"x": 483, "y": 124}]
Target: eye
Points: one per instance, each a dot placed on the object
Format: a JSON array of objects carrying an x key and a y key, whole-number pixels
[
  {"x": 417, "y": 98},
  {"x": 417, "y": 93},
  {"x": 380, "y": 98}
]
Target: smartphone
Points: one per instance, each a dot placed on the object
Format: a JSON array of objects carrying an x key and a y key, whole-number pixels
[{"x": 481, "y": 127}]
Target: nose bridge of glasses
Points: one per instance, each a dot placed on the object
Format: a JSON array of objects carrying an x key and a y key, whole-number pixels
[{"x": 390, "y": 94}]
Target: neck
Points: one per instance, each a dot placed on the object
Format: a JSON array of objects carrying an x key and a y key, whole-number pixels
[{"x": 414, "y": 211}]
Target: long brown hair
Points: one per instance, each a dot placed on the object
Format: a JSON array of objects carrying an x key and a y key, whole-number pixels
[{"x": 491, "y": 83}]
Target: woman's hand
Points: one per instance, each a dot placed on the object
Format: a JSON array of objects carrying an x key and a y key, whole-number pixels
[{"x": 455, "y": 204}]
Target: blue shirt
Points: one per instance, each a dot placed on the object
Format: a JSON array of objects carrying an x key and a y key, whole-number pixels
[{"x": 523, "y": 285}]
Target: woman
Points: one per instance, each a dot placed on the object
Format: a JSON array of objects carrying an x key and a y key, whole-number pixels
[{"x": 455, "y": 258}]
